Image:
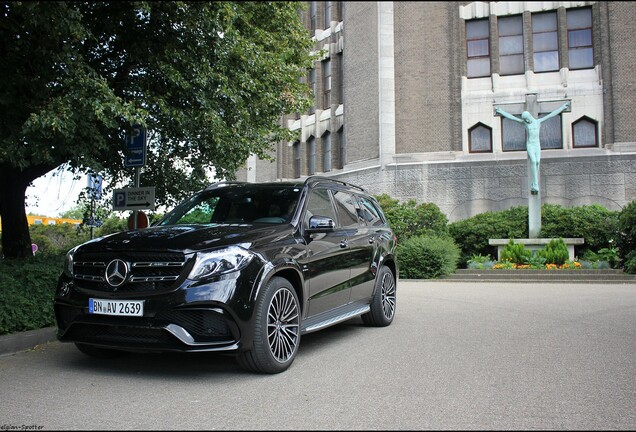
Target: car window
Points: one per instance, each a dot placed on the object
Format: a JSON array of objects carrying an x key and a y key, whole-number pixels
[
  {"x": 319, "y": 204},
  {"x": 237, "y": 204},
  {"x": 200, "y": 213},
  {"x": 370, "y": 212},
  {"x": 346, "y": 208}
]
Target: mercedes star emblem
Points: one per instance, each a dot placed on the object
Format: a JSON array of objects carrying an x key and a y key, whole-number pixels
[{"x": 116, "y": 272}]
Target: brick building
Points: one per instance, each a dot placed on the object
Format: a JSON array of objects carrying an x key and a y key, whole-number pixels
[{"x": 405, "y": 95}]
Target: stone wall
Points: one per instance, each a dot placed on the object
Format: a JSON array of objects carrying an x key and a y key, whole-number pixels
[{"x": 464, "y": 189}]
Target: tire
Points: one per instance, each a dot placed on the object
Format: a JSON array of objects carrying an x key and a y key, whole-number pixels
[
  {"x": 97, "y": 352},
  {"x": 276, "y": 331},
  {"x": 384, "y": 300}
]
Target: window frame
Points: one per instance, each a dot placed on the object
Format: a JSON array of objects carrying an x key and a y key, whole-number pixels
[
  {"x": 594, "y": 123},
  {"x": 478, "y": 57},
  {"x": 543, "y": 32},
  {"x": 523, "y": 44},
  {"x": 470, "y": 138},
  {"x": 571, "y": 30}
]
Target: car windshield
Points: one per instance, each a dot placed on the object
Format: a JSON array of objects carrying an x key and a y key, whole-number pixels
[{"x": 237, "y": 203}]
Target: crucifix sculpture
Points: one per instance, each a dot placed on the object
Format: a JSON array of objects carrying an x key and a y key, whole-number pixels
[{"x": 533, "y": 147}]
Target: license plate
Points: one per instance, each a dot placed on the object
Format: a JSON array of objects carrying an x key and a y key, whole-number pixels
[{"x": 116, "y": 307}]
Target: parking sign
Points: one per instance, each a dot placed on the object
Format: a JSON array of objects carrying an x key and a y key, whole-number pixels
[{"x": 136, "y": 147}]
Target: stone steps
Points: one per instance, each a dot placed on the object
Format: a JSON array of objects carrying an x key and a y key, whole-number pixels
[{"x": 529, "y": 275}]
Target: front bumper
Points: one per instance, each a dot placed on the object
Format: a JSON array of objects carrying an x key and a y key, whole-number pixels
[{"x": 213, "y": 316}]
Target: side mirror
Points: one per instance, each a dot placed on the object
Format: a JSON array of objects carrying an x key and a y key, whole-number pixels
[{"x": 320, "y": 224}]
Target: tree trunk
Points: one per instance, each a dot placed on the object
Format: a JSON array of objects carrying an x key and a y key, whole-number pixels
[{"x": 16, "y": 239}]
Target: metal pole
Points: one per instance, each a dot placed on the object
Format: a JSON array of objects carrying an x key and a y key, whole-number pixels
[
  {"x": 136, "y": 212},
  {"x": 92, "y": 219}
]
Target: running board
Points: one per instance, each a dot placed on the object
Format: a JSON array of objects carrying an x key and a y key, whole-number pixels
[{"x": 321, "y": 321}]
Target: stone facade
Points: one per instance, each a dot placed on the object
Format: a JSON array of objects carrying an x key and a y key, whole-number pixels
[{"x": 402, "y": 107}]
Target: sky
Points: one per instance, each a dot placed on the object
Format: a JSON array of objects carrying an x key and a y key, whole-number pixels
[{"x": 54, "y": 193}]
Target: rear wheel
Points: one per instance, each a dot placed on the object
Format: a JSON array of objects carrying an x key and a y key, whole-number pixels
[
  {"x": 98, "y": 352},
  {"x": 383, "y": 302},
  {"x": 277, "y": 329}
]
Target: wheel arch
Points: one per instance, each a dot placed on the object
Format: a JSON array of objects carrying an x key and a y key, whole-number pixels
[{"x": 288, "y": 271}]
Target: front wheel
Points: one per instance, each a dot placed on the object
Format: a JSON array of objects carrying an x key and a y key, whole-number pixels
[
  {"x": 383, "y": 301},
  {"x": 276, "y": 331}
]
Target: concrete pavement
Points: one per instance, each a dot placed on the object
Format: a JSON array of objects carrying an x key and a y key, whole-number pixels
[{"x": 21, "y": 341}]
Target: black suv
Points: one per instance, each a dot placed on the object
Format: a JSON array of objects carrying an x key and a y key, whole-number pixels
[{"x": 239, "y": 267}]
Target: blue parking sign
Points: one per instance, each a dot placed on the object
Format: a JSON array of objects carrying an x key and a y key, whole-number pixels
[
  {"x": 136, "y": 147},
  {"x": 95, "y": 185}
]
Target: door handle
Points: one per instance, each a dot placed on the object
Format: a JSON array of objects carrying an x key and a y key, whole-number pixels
[{"x": 344, "y": 243}]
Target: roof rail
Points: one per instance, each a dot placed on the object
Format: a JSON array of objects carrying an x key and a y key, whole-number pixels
[
  {"x": 223, "y": 183},
  {"x": 318, "y": 179}
]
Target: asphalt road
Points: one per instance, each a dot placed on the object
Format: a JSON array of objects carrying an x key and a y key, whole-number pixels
[{"x": 458, "y": 356}]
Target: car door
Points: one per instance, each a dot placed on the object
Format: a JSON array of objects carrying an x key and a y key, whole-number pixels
[
  {"x": 370, "y": 239},
  {"x": 327, "y": 265}
]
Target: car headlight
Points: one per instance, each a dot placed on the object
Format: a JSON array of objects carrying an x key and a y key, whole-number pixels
[
  {"x": 220, "y": 261},
  {"x": 68, "y": 262}
]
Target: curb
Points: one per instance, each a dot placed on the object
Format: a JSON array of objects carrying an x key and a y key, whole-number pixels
[{"x": 21, "y": 341}]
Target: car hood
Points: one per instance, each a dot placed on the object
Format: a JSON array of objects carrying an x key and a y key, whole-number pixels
[{"x": 188, "y": 238}]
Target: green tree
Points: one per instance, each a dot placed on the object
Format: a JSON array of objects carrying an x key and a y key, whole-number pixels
[
  {"x": 76, "y": 212},
  {"x": 208, "y": 80}
]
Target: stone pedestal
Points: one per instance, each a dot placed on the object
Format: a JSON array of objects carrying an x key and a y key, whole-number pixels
[{"x": 534, "y": 244}]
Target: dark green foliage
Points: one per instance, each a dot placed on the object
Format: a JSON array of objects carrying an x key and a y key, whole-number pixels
[
  {"x": 409, "y": 219},
  {"x": 27, "y": 290},
  {"x": 208, "y": 80},
  {"x": 594, "y": 223},
  {"x": 57, "y": 239},
  {"x": 472, "y": 234},
  {"x": 516, "y": 253},
  {"x": 112, "y": 225},
  {"x": 626, "y": 240},
  {"x": 630, "y": 262},
  {"x": 555, "y": 252},
  {"x": 427, "y": 257},
  {"x": 610, "y": 255}
]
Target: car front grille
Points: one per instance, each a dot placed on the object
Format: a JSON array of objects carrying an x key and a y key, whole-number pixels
[{"x": 148, "y": 272}]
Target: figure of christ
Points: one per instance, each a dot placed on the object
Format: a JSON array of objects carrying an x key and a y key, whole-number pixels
[{"x": 533, "y": 146}]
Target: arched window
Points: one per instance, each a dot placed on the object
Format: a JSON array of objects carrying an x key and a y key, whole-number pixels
[
  {"x": 480, "y": 139},
  {"x": 585, "y": 133}
]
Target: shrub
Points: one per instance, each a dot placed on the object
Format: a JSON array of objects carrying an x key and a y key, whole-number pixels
[
  {"x": 409, "y": 219},
  {"x": 597, "y": 225},
  {"x": 427, "y": 257},
  {"x": 27, "y": 290},
  {"x": 480, "y": 262},
  {"x": 515, "y": 253},
  {"x": 472, "y": 234},
  {"x": 610, "y": 255},
  {"x": 630, "y": 262},
  {"x": 56, "y": 239},
  {"x": 555, "y": 252},
  {"x": 627, "y": 231},
  {"x": 113, "y": 225}
]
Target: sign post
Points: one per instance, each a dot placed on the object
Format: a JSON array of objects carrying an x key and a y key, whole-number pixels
[
  {"x": 95, "y": 191},
  {"x": 136, "y": 156}
]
